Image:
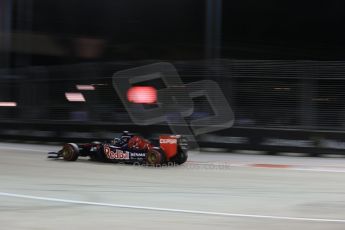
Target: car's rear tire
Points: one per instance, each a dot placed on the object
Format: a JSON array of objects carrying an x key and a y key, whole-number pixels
[
  {"x": 181, "y": 157},
  {"x": 155, "y": 157},
  {"x": 70, "y": 152}
]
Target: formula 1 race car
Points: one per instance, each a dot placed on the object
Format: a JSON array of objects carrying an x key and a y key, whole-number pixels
[{"x": 129, "y": 149}]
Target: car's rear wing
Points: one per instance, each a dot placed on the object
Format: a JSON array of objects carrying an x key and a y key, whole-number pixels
[{"x": 171, "y": 144}]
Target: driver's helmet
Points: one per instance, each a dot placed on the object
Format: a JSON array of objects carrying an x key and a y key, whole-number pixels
[
  {"x": 123, "y": 140},
  {"x": 126, "y": 136},
  {"x": 125, "y": 133},
  {"x": 115, "y": 141}
]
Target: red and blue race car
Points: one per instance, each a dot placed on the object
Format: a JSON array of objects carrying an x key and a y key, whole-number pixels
[{"x": 129, "y": 149}]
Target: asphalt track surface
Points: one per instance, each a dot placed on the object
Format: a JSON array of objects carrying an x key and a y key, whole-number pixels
[{"x": 211, "y": 191}]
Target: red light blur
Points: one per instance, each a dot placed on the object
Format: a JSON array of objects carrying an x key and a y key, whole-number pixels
[{"x": 142, "y": 95}]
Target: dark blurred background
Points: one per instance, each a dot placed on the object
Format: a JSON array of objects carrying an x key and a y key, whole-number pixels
[
  {"x": 64, "y": 32},
  {"x": 280, "y": 64}
]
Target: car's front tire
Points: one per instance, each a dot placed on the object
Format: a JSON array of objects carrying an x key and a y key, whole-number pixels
[{"x": 70, "y": 152}]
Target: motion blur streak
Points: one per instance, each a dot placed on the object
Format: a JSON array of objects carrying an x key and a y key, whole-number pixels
[
  {"x": 85, "y": 87},
  {"x": 75, "y": 97},
  {"x": 8, "y": 104}
]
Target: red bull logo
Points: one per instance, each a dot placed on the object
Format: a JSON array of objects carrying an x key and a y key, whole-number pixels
[{"x": 117, "y": 155}]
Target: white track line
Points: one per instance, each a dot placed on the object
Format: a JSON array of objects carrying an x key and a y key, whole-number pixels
[
  {"x": 170, "y": 209},
  {"x": 328, "y": 170}
]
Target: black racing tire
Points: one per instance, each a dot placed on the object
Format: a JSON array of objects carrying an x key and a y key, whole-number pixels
[
  {"x": 70, "y": 152},
  {"x": 155, "y": 157},
  {"x": 181, "y": 157}
]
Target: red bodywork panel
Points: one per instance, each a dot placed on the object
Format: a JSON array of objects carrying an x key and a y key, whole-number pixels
[
  {"x": 139, "y": 143},
  {"x": 169, "y": 145}
]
